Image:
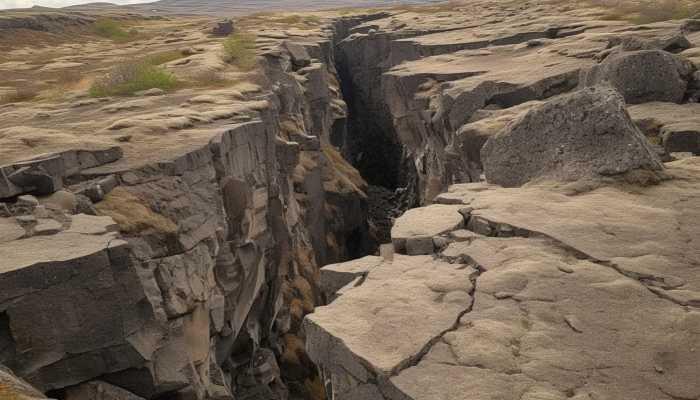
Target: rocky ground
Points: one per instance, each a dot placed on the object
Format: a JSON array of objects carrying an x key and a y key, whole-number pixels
[
  {"x": 167, "y": 244},
  {"x": 568, "y": 267}
]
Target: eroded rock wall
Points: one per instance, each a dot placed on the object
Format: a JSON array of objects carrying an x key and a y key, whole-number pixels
[{"x": 194, "y": 279}]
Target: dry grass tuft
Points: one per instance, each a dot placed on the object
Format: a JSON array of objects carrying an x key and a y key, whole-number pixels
[
  {"x": 239, "y": 50},
  {"x": 211, "y": 79},
  {"x": 132, "y": 216},
  {"x": 344, "y": 177},
  {"x": 130, "y": 77}
]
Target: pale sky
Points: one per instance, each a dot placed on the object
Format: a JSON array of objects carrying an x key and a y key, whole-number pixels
[{"x": 58, "y": 3}]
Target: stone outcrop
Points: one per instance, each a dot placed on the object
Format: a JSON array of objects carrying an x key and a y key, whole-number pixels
[{"x": 581, "y": 135}]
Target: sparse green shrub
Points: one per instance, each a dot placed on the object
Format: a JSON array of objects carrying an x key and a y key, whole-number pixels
[
  {"x": 239, "y": 50},
  {"x": 131, "y": 77}
]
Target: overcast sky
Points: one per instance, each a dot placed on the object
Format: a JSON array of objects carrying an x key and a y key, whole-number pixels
[{"x": 58, "y": 3}]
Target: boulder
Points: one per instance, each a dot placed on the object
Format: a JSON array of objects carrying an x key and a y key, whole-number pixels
[
  {"x": 642, "y": 76},
  {"x": 299, "y": 56},
  {"x": 223, "y": 28},
  {"x": 583, "y": 134},
  {"x": 682, "y": 137}
]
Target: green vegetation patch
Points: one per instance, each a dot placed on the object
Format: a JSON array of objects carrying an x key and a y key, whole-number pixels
[
  {"x": 111, "y": 29},
  {"x": 239, "y": 50},
  {"x": 131, "y": 77}
]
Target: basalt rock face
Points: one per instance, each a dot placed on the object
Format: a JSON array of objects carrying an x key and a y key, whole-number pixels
[{"x": 184, "y": 270}]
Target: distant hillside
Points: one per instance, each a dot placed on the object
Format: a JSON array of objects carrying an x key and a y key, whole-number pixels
[{"x": 219, "y": 7}]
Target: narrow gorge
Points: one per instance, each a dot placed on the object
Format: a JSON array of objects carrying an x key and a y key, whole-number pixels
[{"x": 530, "y": 169}]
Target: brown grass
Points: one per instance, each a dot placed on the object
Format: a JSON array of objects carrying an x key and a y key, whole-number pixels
[
  {"x": 210, "y": 79},
  {"x": 344, "y": 177},
  {"x": 132, "y": 215}
]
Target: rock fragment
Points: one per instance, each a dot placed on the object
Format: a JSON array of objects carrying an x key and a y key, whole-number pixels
[{"x": 223, "y": 28}]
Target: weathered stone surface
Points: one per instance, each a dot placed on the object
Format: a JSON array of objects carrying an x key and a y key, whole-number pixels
[
  {"x": 95, "y": 318},
  {"x": 580, "y": 135},
  {"x": 367, "y": 344},
  {"x": 413, "y": 232},
  {"x": 605, "y": 282},
  {"x": 643, "y": 76},
  {"x": 335, "y": 276}
]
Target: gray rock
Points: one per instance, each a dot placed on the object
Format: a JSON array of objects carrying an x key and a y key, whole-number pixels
[
  {"x": 682, "y": 137},
  {"x": 691, "y": 25},
  {"x": 27, "y": 201},
  {"x": 223, "y": 28},
  {"x": 299, "y": 56},
  {"x": 150, "y": 92},
  {"x": 84, "y": 205},
  {"x": 584, "y": 134},
  {"x": 642, "y": 76}
]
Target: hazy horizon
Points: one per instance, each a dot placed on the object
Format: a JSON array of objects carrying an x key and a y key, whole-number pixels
[{"x": 9, "y": 4}]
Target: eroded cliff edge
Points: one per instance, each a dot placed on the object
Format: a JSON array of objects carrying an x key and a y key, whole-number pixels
[{"x": 167, "y": 246}]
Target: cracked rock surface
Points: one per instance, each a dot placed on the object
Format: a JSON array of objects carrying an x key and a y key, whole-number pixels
[{"x": 588, "y": 295}]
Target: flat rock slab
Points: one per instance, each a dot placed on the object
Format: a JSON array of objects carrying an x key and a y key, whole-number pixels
[
  {"x": 399, "y": 310},
  {"x": 336, "y": 276},
  {"x": 546, "y": 325},
  {"x": 413, "y": 232},
  {"x": 10, "y": 230},
  {"x": 61, "y": 247}
]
